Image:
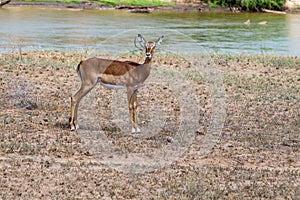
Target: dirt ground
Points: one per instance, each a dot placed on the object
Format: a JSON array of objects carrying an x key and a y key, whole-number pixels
[{"x": 256, "y": 155}]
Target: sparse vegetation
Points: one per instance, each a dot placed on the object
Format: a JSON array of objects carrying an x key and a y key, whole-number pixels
[
  {"x": 256, "y": 157},
  {"x": 55, "y": 1},
  {"x": 112, "y": 3},
  {"x": 133, "y": 2}
]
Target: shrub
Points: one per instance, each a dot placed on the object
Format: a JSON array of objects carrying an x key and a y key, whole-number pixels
[
  {"x": 250, "y": 5},
  {"x": 256, "y": 5}
]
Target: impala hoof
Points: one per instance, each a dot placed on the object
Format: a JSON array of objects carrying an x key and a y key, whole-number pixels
[
  {"x": 73, "y": 128},
  {"x": 135, "y": 130}
]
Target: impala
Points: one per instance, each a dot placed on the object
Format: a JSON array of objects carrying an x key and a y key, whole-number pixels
[{"x": 114, "y": 74}]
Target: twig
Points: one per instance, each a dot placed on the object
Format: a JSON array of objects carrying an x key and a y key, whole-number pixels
[{"x": 3, "y": 3}]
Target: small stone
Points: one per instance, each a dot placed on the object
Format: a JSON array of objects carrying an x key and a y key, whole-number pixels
[
  {"x": 228, "y": 145},
  {"x": 200, "y": 131}
]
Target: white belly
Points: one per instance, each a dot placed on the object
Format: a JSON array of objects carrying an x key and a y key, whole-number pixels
[{"x": 110, "y": 86}]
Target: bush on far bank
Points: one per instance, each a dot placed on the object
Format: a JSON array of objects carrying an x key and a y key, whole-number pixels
[{"x": 249, "y": 5}]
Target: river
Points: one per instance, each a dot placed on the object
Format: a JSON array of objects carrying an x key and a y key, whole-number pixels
[{"x": 29, "y": 28}]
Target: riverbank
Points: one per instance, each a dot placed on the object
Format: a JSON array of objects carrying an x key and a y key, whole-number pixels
[
  {"x": 92, "y": 5},
  {"x": 255, "y": 156},
  {"x": 202, "y": 7},
  {"x": 80, "y": 5}
]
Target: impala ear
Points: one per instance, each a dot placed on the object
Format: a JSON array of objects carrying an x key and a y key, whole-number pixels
[
  {"x": 158, "y": 41},
  {"x": 141, "y": 40}
]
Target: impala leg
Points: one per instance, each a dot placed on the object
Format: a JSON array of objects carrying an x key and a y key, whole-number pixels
[
  {"x": 84, "y": 89},
  {"x": 130, "y": 105},
  {"x": 132, "y": 96}
]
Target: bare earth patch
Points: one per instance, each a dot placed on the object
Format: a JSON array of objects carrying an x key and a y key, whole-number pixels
[{"x": 256, "y": 157}]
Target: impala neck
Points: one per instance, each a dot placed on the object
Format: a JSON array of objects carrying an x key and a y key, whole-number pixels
[{"x": 148, "y": 60}]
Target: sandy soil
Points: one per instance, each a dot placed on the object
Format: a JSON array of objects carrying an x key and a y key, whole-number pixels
[{"x": 256, "y": 155}]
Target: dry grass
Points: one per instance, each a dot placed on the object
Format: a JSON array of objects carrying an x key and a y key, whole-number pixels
[{"x": 256, "y": 157}]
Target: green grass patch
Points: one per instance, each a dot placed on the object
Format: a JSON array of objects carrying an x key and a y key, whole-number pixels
[
  {"x": 133, "y": 2},
  {"x": 112, "y": 3},
  {"x": 55, "y": 1}
]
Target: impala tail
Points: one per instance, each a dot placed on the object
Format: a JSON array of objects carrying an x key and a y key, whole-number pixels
[{"x": 78, "y": 69}]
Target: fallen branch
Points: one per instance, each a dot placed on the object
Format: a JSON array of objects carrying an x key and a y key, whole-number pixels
[
  {"x": 273, "y": 11},
  {"x": 3, "y": 3},
  {"x": 139, "y": 10},
  {"x": 120, "y": 7}
]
